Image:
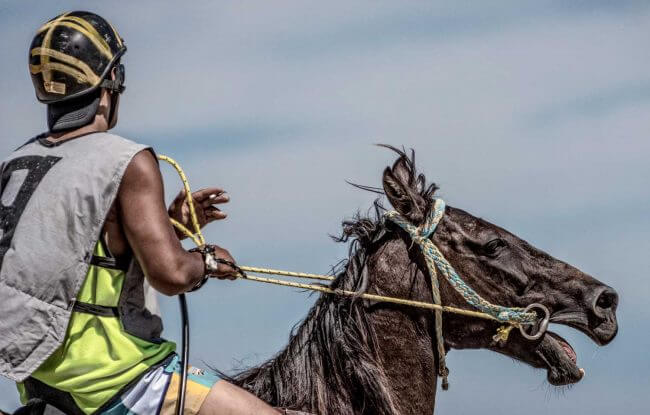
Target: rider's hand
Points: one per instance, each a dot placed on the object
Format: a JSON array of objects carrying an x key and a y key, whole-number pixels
[
  {"x": 204, "y": 204},
  {"x": 224, "y": 271}
]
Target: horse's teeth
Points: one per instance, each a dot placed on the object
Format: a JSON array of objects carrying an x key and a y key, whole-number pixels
[{"x": 582, "y": 372}]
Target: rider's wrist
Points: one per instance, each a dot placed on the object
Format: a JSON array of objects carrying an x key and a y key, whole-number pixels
[{"x": 210, "y": 264}]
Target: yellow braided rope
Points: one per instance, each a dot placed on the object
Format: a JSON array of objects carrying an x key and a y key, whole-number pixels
[
  {"x": 288, "y": 273},
  {"x": 186, "y": 231},
  {"x": 197, "y": 237},
  {"x": 374, "y": 297}
]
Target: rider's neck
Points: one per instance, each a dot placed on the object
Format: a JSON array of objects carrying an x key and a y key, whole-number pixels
[{"x": 99, "y": 125}]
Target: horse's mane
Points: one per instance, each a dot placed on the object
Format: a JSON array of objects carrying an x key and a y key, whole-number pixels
[{"x": 330, "y": 365}]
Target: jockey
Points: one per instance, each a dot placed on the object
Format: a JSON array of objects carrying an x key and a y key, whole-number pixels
[{"x": 85, "y": 238}]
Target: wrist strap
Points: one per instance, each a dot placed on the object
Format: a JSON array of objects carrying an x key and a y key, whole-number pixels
[
  {"x": 206, "y": 252},
  {"x": 211, "y": 264}
]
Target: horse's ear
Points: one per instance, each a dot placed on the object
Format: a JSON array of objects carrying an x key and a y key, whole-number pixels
[{"x": 400, "y": 189}]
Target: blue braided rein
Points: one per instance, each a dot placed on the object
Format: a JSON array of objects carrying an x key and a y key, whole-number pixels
[
  {"x": 514, "y": 316},
  {"x": 420, "y": 235}
]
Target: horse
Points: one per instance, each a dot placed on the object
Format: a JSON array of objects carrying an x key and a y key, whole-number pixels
[{"x": 355, "y": 356}]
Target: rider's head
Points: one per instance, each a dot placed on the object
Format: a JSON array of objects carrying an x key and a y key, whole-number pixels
[{"x": 74, "y": 61}]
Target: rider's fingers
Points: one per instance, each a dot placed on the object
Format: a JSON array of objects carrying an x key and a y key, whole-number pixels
[
  {"x": 226, "y": 272},
  {"x": 230, "y": 276},
  {"x": 212, "y": 213},
  {"x": 178, "y": 200},
  {"x": 203, "y": 194},
  {"x": 226, "y": 277},
  {"x": 215, "y": 200}
]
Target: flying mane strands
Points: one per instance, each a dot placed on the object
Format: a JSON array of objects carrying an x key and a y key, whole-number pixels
[{"x": 331, "y": 359}]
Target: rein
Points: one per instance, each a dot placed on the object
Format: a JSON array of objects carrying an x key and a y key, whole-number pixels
[{"x": 511, "y": 317}]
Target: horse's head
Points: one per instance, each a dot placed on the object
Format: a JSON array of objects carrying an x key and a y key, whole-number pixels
[{"x": 505, "y": 270}]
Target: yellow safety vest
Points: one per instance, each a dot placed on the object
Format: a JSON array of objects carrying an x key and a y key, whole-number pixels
[{"x": 98, "y": 358}]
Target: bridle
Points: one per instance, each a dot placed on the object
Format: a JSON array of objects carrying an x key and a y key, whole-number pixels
[{"x": 435, "y": 261}]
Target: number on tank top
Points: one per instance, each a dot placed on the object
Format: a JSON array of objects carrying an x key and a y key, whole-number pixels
[{"x": 20, "y": 178}]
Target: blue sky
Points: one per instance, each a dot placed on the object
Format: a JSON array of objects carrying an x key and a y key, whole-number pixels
[{"x": 533, "y": 115}]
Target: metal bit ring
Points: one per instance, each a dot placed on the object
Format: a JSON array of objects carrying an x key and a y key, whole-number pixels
[{"x": 541, "y": 325}]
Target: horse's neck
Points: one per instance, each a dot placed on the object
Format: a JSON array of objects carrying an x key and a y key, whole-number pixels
[
  {"x": 350, "y": 358},
  {"x": 408, "y": 361},
  {"x": 404, "y": 342}
]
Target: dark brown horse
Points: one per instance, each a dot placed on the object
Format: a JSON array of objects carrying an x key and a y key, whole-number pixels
[{"x": 351, "y": 356}]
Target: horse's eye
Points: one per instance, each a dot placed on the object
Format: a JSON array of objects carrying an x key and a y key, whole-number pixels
[{"x": 494, "y": 246}]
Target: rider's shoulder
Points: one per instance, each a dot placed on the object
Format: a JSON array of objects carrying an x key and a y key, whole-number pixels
[
  {"x": 136, "y": 149},
  {"x": 143, "y": 165},
  {"x": 118, "y": 139}
]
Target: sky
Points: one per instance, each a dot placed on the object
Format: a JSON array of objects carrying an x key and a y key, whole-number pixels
[{"x": 531, "y": 114}]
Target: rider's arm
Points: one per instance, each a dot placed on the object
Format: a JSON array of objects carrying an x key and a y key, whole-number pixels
[{"x": 169, "y": 268}]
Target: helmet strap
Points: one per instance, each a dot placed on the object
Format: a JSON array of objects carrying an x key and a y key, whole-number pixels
[
  {"x": 117, "y": 84},
  {"x": 112, "y": 112}
]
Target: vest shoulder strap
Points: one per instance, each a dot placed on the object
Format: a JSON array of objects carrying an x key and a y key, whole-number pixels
[
  {"x": 112, "y": 263},
  {"x": 98, "y": 310}
]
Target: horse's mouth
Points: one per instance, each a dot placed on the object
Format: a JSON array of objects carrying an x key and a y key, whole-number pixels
[
  {"x": 560, "y": 360},
  {"x": 551, "y": 352}
]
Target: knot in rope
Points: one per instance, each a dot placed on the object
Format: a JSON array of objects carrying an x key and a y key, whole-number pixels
[{"x": 420, "y": 234}]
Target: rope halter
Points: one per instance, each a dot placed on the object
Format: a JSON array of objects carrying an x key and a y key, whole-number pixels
[{"x": 510, "y": 316}]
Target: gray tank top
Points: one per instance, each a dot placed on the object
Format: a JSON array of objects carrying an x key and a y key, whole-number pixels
[{"x": 54, "y": 200}]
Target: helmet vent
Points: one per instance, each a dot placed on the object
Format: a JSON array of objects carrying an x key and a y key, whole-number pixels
[{"x": 54, "y": 87}]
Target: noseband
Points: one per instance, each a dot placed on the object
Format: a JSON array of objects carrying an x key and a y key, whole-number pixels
[{"x": 518, "y": 317}]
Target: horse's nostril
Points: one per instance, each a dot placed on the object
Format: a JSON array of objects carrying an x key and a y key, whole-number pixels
[{"x": 607, "y": 299}]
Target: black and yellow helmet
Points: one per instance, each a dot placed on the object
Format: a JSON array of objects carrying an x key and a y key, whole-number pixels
[{"x": 72, "y": 55}]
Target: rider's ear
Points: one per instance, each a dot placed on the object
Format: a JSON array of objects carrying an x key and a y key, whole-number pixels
[{"x": 402, "y": 193}]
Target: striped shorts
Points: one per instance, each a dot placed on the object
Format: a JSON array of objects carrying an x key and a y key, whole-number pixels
[{"x": 157, "y": 392}]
